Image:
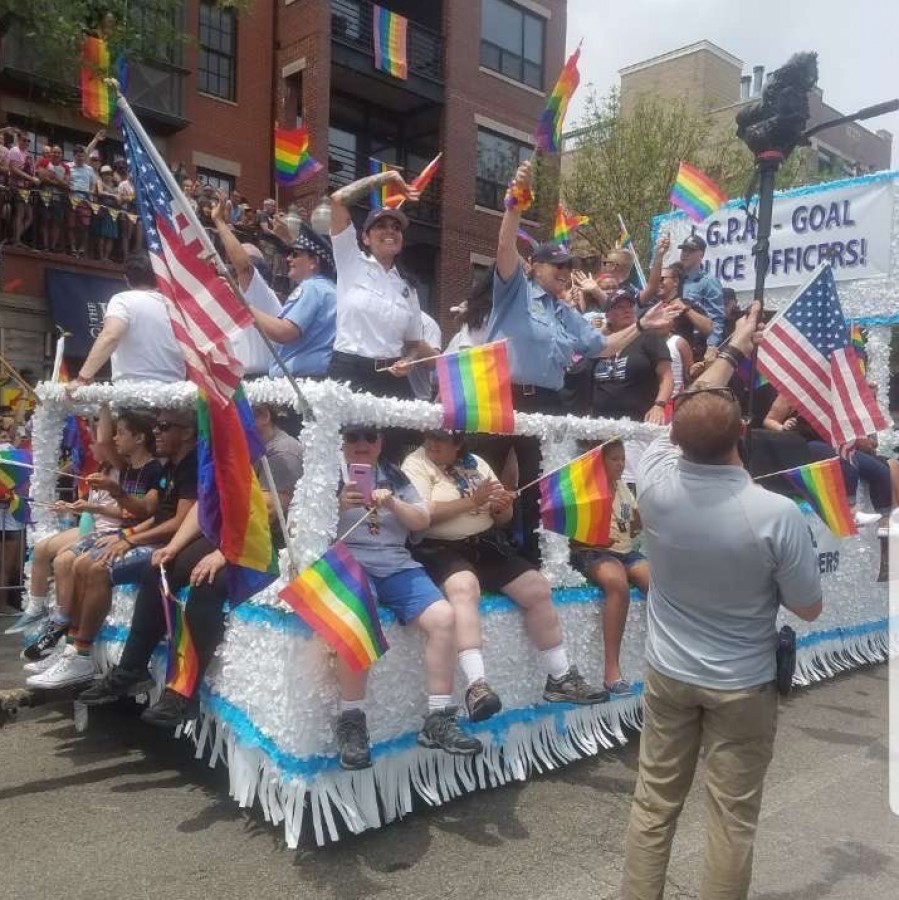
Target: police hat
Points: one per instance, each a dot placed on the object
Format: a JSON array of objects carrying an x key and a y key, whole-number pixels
[
  {"x": 317, "y": 245},
  {"x": 377, "y": 214},
  {"x": 556, "y": 254}
]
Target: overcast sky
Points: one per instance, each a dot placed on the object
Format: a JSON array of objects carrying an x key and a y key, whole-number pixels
[{"x": 857, "y": 42}]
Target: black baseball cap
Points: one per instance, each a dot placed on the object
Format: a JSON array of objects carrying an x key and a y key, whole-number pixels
[
  {"x": 694, "y": 242},
  {"x": 552, "y": 253},
  {"x": 619, "y": 295},
  {"x": 377, "y": 214}
]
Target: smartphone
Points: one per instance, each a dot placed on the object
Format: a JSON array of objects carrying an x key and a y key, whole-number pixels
[{"x": 362, "y": 475}]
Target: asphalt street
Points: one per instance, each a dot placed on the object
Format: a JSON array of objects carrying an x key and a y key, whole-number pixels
[{"x": 124, "y": 811}]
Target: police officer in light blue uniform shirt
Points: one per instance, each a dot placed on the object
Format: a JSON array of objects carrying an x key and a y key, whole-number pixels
[{"x": 703, "y": 289}]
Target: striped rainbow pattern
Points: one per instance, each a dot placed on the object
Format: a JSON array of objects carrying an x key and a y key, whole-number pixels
[
  {"x": 695, "y": 193},
  {"x": 232, "y": 511},
  {"x": 822, "y": 486},
  {"x": 17, "y": 506},
  {"x": 96, "y": 98},
  {"x": 565, "y": 226},
  {"x": 389, "y": 36},
  {"x": 333, "y": 597},
  {"x": 424, "y": 178},
  {"x": 183, "y": 669},
  {"x": 624, "y": 241},
  {"x": 293, "y": 164},
  {"x": 475, "y": 388},
  {"x": 548, "y": 134},
  {"x": 383, "y": 196},
  {"x": 576, "y": 500},
  {"x": 15, "y": 469}
]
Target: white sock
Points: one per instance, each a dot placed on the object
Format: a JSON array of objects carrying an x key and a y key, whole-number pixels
[
  {"x": 347, "y": 705},
  {"x": 472, "y": 664},
  {"x": 555, "y": 661},
  {"x": 439, "y": 701},
  {"x": 37, "y": 600},
  {"x": 58, "y": 617}
]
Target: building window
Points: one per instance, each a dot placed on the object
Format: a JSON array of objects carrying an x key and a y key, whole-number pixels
[
  {"x": 498, "y": 158},
  {"x": 218, "y": 180},
  {"x": 512, "y": 42},
  {"x": 217, "y": 63}
]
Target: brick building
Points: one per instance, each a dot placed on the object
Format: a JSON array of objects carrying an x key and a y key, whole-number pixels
[{"x": 478, "y": 75}]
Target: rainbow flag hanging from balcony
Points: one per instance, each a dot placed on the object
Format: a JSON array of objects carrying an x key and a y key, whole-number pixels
[
  {"x": 293, "y": 164},
  {"x": 97, "y": 100},
  {"x": 389, "y": 38}
]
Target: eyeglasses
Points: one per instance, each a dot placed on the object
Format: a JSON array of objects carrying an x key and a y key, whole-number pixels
[
  {"x": 354, "y": 437},
  {"x": 612, "y": 262},
  {"x": 725, "y": 393},
  {"x": 164, "y": 426}
]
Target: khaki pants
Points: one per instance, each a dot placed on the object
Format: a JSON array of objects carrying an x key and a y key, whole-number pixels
[{"x": 736, "y": 730}]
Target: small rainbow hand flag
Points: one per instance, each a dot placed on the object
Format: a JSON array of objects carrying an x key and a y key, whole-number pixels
[
  {"x": 293, "y": 164},
  {"x": 548, "y": 134},
  {"x": 695, "y": 193},
  {"x": 624, "y": 241},
  {"x": 183, "y": 667},
  {"x": 565, "y": 226},
  {"x": 822, "y": 486},
  {"x": 475, "y": 388},
  {"x": 333, "y": 597},
  {"x": 576, "y": 500},
  {"x": 15, "y": 469},
  {"x": 384, "y": 196},
  {"x": 97, "y": 100},
  {"x": 389, "y": 37},
  {"x": 419, "y": 184}
]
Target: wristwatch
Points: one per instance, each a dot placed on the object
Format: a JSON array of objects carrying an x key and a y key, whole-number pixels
[{"x": 662, "y": 403}]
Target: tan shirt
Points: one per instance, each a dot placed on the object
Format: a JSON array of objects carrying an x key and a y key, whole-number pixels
[
  {"x": 432, "y": 483},
  {"x": 623, "y": 507}
]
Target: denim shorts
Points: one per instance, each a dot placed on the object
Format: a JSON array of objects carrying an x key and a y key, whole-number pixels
[
  {"x": 130, "y": 568},
  {"x": 407, "y": 593},
  {"x": 585, "y": 559}
]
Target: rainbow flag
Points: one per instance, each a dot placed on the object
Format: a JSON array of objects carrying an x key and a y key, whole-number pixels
[
  {"x": 183, "y": 667},
  {"x": 77, "y": 455},
  {"x": 97, "y": 100},
  {"x": 744, "y": 371},
  {"x": 384, "y": 196},
  {"x": 565, "y": 226},
  {"x": 333, "y": 596},
  {"x": 389, "y": 37},
  {"x": 231, "y": 507},
  {"x": 822, "y": 486},
  {"x": 17, "y": 505},
  {"x": 695, "y": 193},
  {"x": 293, "y": 164},
  {"x": 624, "y": 241},
  {"x": 427, "y": 174},
  {"x": 15, "y": 469},
  {"x": 475, "y": 388},
  {"x": 548, "y": 134},
  {"x": 859, "y": 340},
  {"x": 576, "y": 500}
]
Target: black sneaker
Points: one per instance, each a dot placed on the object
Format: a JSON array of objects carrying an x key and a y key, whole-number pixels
[
  {"x": 441, "y": 731},
  {"x": 571, "y": 688},
  {"x": 170, "y": 710},
  {"x": 481, "y": 701},
  {"x": 115, "y": 684},
  {"x": 352, "y": 740},
  {"x": 48, "y": 637}
]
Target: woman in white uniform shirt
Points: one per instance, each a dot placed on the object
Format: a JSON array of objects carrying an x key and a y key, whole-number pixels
[{"x": 378, "y": 316}]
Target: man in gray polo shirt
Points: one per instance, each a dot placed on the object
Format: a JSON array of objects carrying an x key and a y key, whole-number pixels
[{"x": 711, "y": 632}]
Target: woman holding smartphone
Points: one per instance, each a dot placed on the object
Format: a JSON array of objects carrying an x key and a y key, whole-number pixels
[{"x": 392, "y": 508}]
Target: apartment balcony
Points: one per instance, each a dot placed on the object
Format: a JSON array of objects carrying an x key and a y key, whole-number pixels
[{"x": 353, "y": 55}]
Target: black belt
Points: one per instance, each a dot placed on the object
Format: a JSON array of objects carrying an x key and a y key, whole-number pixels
[
  {"x": 365, "y": 363},
  {"x": 533, "y": 390}
]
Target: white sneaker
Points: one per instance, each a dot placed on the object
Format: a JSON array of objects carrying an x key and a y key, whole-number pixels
[
  {"x": 41, "y": 665},
  {"x": 865, "y": 518},
  {"x": 31, "y": 615},
  {"x": 68, "y": 670}
]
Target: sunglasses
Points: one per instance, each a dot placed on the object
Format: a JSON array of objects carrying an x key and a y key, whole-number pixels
[
  {"x": 354, "y": 437},
  {"x": 724, "y": 392},
  {"x": 165, "y": 426}
]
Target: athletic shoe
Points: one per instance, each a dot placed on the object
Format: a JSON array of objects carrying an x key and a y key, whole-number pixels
[
  {"x": 170, "y": 711},
  {"x": 47, "y": 638},
  {"x": 352, "y": 740},
  {"x": 866, "y": 518},
  {"x": 41, "y": 665},
  {"x": 571, "y": 688},
  {"x": 115, "y": 684},
  {"x": 441, "y": 731},
  {"x": 618, "y": 688},
  {"x": 31, "y": 615},
  {"x": 68, "y": 670},
  {"x": 481, "y": 701}
]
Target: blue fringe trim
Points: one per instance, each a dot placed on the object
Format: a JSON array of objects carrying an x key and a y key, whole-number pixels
[{"x": 842, "y": 633}]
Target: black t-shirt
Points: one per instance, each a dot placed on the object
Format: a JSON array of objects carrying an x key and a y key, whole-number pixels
[
  {"x": 177, "y": 482},
  {"x": 138, "y": 481},
  {"x": 625, "y": 385}
]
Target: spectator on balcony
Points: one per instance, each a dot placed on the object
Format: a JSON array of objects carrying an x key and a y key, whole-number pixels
[
  {"x": 137, "y": 337},
  {"x": 83, "y": 184},
  {"x": 106, "y": 222},
  {"x": 378, "y": 314},
  {"x": 55, "y": 178},
  {"x": 9, "y": 138},
  {"x": 129, "y": 231},
  {"x": 21, "y": 180},
  {"x": 266, "y": 216},
  {"x": 237, "y": 207}
]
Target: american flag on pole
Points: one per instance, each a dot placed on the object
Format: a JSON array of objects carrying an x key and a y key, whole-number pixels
[
  {"x": 204, "y": 311},
  {"x": 808, "y": 356}
]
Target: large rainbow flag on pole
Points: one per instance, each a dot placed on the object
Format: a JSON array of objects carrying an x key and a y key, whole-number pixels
[
  {"x": 334, "y": 598},
  {"x": 475, "y": 388},
  {"x": 232, "y": 510},
  {"x": 576, "y": 500},
  {"x": 97, "y": 100},
  {"x": 548, "y": 134},
  {"x": 822, "y": 486},
  {"x": 695, "y": 193},
  {"x": 565, "y": 226},
  {"x": 293, "y": 164},
  {"x": 389, "y": 39}
]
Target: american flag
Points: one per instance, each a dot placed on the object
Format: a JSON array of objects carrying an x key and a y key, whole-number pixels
[
  {"x": 808, "y": 356},
  {"x": 203, "y": 309}
]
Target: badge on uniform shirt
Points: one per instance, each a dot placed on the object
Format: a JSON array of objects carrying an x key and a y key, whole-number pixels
[{"x": 406, "y": 292}]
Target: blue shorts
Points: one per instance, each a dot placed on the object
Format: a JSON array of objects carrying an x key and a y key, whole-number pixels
[
  {"x": 407, "y": 593},
  {"x": 585, "y": 559},
  {"x": 130, "y": 568}
]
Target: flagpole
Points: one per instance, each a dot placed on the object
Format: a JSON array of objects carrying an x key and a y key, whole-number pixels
[
  {"x": 4, "y": 461},
  {"x": 637, "y": 264},
  {"x": 524, "y": 487},
  {"x": 171, "y": 183},
  {"x": 57, "y": 359},
  {"x": 279, "y": 512},
  {"x": 415, "y": 362},
  {"x": 792, "y": 469},
  {"x": 354, "y": 526},
  {"x": 19, "y": 380}
]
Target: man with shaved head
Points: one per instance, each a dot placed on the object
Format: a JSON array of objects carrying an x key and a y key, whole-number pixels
[{"x": 725, "y": 555}]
